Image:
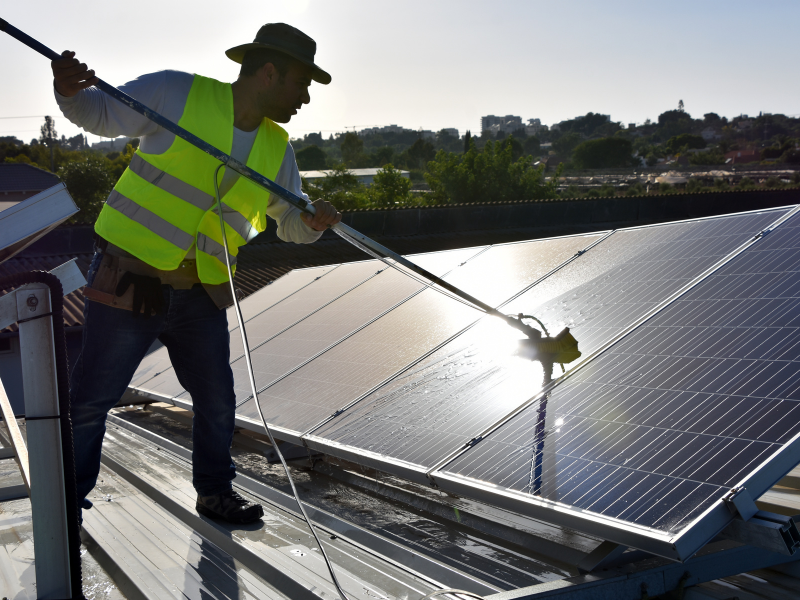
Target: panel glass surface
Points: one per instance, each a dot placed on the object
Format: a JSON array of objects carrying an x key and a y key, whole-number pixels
[
  {"x": 359, "y": 363},
  {"x": 308, "y": 337},
  {"x": 631, "y": 272},
  {"x": 461, "y": 389},
  {"x": 158, "y": 362},
  {"x": 664, "y": 423},
  {"x": 496, "y": 275}
]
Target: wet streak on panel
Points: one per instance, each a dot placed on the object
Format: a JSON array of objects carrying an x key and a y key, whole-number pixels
[
  {"x": 350, "y": 369},
  {"x": 665, "y": 422},
  {"x": 447, "y": 399}
]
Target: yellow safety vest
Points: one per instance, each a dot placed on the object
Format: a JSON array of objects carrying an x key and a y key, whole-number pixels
[{"x": 164, "y": 203}]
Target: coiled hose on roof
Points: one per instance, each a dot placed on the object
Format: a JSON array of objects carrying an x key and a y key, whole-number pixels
[{"x": 67, "y": 446}]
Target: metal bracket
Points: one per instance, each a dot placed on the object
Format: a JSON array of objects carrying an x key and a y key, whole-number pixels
[
  {"x": 740, "y": 503},
  {"x": 765, "y": 530},
  {"x": 601, "y": 556}
]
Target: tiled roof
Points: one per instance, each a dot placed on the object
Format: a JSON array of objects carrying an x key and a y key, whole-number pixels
[{"x": 21, "y": 177}]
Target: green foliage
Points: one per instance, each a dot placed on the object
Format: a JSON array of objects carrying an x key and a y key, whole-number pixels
[
  {"x": 343, "y": 189},
  {"x": 710, "y": 157},
  {"x": 389, "y": 188},
  {"x": 745, "y": 183},
  {"x": 532, "y": 146},
  {"x": 684, "y": 141},
  {"x": 694, "y": 185},
  {"x": 419, "y": 154},
  {"x": 311, "y": 158},
  {"x": 637, "y": 189},
  {"x": 352, "y": 148},
  {"x": 564, "y": 145},
  {"x": 773, "y": 182},
  {"x": 490, "y": 174},
  {"x": 340, "y": 187},
  {"x": 89, "y": 182},
  {"x": 665, "y": 188},
  {"x": 517, "y": 150},
  {"x": 607, "y": 191},
  {"x": 604, "y": 153}
]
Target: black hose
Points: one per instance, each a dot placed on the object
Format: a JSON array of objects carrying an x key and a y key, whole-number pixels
[{"x": 67, "y": 447}]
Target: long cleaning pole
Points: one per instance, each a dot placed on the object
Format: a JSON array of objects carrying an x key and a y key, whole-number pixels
[{"x": 267, "y": 184}]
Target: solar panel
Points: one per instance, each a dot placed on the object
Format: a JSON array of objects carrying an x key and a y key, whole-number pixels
[
  {"x": 305, "y": 338},
  {"x": 419, "y": 418},
  {"x": 633, "y": 271},
  {"x": 350, "y": 369},
  {"x": 641, "y": 444},
  {"x": 158, "y": 362}
]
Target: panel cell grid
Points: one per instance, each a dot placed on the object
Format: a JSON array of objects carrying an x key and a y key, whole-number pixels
[
  {"x": 461, "y": 389},
  {"x": 689, "y": 405},
  {"x": 350, "y": 369}
]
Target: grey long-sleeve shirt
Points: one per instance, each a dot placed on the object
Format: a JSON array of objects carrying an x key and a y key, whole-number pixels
[{"x": 166, "y": 92}]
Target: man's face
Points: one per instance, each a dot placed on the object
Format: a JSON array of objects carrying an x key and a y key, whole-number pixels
[{"x": 282, "y": 97}]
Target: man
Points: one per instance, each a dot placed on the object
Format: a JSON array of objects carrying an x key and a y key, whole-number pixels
[{"x": 159, "y": 271}]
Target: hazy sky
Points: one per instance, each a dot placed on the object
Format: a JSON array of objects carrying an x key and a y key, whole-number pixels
[{"x": 434, "y": 64}]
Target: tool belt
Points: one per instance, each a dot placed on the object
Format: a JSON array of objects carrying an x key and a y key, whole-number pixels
[{"x": 116, "y": 262}]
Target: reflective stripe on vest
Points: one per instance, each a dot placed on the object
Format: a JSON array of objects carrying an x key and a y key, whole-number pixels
[
  {"x": 164, "y": 203},
  {"x": 213, "y": 248},
  {"x": 237, "y": 222},
  {"x": 150, "y": 220},
  {"x": 168, "y": 183}
]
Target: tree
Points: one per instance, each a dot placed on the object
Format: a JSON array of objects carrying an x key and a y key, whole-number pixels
[
  {"x": 389, "y": 188},
  {"x": 684, "y": 141},
  {"x": 89, "y": 183},
  {"x": 382, "y": 156},
  {"x": 516, "y": 147},
  {"x": 314, "y": 138},
  {"x": 49, "y": 137},
  {"x": 603, "y": 153},
  {"x": 311, "y": 158},
  {"x": 484, "y": 175},
  {"x": 420, "y": 153},
  {"x": 564, "y": 145},
  {"x": 680, "y": 105},
  {"x": 532, "y": 146},
  {"x": 352, "y": 148},
  {"x": 339, "y": 187},
  {"x": 467, "y": 141}
]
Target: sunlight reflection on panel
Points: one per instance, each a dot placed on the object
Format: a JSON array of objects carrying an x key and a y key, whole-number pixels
[{"x": 443, "y": 401}]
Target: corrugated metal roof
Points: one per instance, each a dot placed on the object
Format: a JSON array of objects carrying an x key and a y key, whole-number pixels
[{"x": 21, "y": 177}]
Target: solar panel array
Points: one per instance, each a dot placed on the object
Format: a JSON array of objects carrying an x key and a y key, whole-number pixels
[
  {"x": 650, "y": 432},
  {"x": 663, "y": 424}
]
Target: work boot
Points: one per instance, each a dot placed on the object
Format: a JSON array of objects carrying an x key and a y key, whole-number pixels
[{"x": 229, "y": 506}]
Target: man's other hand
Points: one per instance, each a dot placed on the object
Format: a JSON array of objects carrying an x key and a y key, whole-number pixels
[
  {"x": 70, "y": 76},
  {"x": 326, "y": 216}
]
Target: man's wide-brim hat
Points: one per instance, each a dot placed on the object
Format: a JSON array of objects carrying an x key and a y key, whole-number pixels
[{"x": 286, "y": 39}]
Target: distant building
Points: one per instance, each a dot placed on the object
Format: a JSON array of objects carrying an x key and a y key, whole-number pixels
[
  {"x": 384, "y": 129},
  {"x": 710, "y": 134},
  {"x": 116, "y": 145},
  {"x": 19, "y": 181},
  {"x": 451, "y": 131},
  {"x": 534, "y": 126},
  {"x": 426, "y": 134},
  {"x": 365, "y": 176},
  {"x": 506, "y": 125}
]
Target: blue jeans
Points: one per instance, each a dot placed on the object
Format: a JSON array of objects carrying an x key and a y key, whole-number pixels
[{"x": 195, "y": 333}]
